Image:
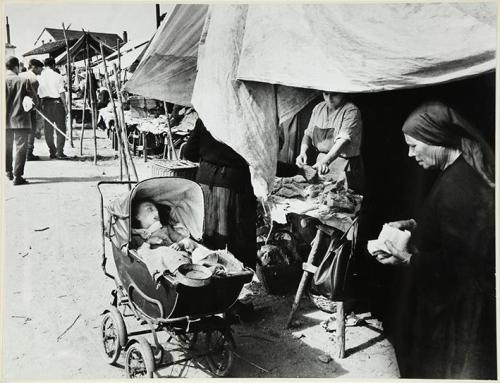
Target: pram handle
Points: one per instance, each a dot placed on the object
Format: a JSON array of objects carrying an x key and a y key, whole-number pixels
[{"x": 103, "y": 228}]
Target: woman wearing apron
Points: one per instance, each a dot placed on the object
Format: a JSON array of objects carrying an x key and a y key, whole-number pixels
[{"x": 332, "y": 141}]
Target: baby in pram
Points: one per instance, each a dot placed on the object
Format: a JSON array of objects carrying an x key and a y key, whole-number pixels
[
  {"x": 154, "y": 233},
  {"x": 160, "y": 246},
  {"x": 167, "y": 246}
]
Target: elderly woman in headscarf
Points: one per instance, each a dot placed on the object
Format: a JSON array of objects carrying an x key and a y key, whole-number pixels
[{"x": 451, "y": 260}]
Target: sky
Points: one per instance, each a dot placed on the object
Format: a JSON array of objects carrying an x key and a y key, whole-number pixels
[{"x": 27, "y": 20}]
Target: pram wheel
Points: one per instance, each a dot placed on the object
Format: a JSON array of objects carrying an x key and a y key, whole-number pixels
[
  {"x": 113, "y": 333},
  {"x": 139, "y": 360},
  {"x": 220, "y": 353}
]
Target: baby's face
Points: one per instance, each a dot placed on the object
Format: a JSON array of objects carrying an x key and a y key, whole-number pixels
[{"x": 147, "y": 214}]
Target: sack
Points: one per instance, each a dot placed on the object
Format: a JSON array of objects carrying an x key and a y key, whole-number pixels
[{"x": 333, "y": 274}]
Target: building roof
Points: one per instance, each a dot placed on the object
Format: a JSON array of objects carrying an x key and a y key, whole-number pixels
[
  {"x": 53, "y": 48},
  {"x": 58, "y": 34}
]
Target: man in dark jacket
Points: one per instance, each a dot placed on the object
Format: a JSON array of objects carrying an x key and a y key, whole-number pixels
[{"x": 18, "y": 124}]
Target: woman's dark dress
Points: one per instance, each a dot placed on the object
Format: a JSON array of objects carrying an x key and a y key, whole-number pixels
[
  {"x": 452, "y": 330},
  {"x": 230, "y": 204}
]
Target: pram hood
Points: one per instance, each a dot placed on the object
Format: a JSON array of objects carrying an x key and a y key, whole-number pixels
[{"x": 184, "y": 197}]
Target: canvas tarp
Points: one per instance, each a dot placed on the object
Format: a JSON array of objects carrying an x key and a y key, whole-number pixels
[
  {"x": 128, "y": 54},
  {"x": 345, "y": 48},
  {"x": 78, "y": 51},
  {"x": 303, "y": 49},
  {"x": 243, "y": 115},
  {"x": 168, "y": 68},
  {"x": 366, "y": 47}
]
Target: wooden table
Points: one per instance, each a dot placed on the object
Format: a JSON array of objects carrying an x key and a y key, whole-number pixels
[{"x": 324, "y": 231}]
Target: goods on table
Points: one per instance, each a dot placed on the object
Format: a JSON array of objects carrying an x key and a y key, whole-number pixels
[
  {"x": 141, "y": 107},
  {"x": 310, "y": 174},
  {"x": 332, "y": 194},
  {"x": 152, "y": 125}
]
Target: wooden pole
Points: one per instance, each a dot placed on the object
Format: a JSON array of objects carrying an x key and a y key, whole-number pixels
[
  {"x": 119, "y": 136},
  {"x": 70, "y": 94},
  {"x": 119, "y": 58},
  {"x": 92, "y": 104},
  {"x": 171, "y": 141},
  {"x": 83, "y": 110},
  {"x": 305, "y": 275},
  {"x": 117, "y": 121},
  {"x": 54, "y": 125},
  {"x": 127, "y": 151},
  {"x": 340, "y": 329}
]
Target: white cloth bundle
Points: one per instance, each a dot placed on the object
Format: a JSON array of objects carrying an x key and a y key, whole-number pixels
[{"x": 399, "y": 238}]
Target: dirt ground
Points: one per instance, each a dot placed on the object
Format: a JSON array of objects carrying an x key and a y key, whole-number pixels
[{"x": 54, "y": 291}]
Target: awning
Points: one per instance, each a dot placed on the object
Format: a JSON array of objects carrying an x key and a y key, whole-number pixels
[
  {"x": 366, "y": 47},
  {"x": 168, "y": 68},
  {"x": 335, "y": 47},
  {"x": 78, "y": 50}
]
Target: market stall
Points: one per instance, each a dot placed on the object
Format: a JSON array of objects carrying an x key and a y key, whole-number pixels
[
  {"x": 260, "y": 79},
  {"x": 148, "y": 131}
]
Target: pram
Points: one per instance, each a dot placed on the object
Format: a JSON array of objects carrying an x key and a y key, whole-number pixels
[{"x": 184, "y": 312}]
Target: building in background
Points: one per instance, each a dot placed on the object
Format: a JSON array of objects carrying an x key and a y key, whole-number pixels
[{"x": 51, "y": 43}]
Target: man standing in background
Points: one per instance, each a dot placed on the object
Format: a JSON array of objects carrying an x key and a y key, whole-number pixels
[
  {"x": 18, "y": 124},
  {"x": 35, "y": 68},
  {"x": 53, "y": 98}
]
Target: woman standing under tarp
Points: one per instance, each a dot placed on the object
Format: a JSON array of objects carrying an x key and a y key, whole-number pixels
[
  {"x": 230, "y": 204},
  {"x": 332, "y": 140},
  {"x": 450, "y": 325}
]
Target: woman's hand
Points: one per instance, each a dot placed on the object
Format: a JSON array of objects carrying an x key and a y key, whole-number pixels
[
  {"x": 394, "y": 257},
  {"x": 322, "y": 166},
  {"x": 408, "y": 224},
  {"x": 301, "y": 160}
]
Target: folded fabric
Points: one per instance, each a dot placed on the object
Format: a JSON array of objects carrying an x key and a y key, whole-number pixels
[
  {"x": 399, "y": 238},
  {"x": 162, "y": 258},
  {"x": 206, "y": 257}
]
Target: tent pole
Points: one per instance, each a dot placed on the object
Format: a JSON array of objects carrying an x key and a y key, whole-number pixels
[
  {"x": 120, "y": 101},
  {"x": 119, "y": 59},
  {"x": 117, "y": 122},
  {"x": 83, "y": 109},
  {"x": 70, "y": 95},
  {"x": 92, "y": 104},
  {"x": 170, "y": 140}
]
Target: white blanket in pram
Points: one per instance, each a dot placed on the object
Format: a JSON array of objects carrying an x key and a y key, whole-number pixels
[{"x": 165, "y": 258}]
